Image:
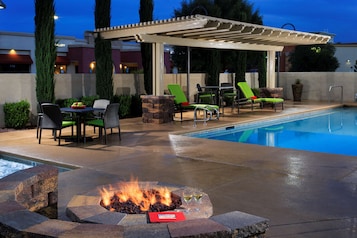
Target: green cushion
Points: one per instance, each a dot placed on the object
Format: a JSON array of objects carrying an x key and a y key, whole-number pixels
[
  {"x": 206, "y": 95},
  {"x": 229, "y": 94},
  {"x": 247, "y": 91},
  {"x": 272, "y": 100},
  {"x": 96, "y": 122},
  {"x": 176, "y": 91},
  {"x": 208, "y": 106},
  {"x": 68, "y": 123}
]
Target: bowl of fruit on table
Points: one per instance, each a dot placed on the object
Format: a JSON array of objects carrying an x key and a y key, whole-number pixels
[{"x": 78, "y": 105}]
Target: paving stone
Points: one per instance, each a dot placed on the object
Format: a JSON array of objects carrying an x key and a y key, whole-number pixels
[
  {"x": 94, "y": 231},
  {"x": 10, "y": 206},
  {"x": 242, "y": 224},
  {"x": 52, "y": 228},
  {"x": 83, "y": 212},
  {"x": 81, "y": 200},
  {"x": 198, "y": 228},
  {"x": 134, "y": 219},
  {"x": 148, "y": 231},
  {"x": 110, "y": 218},
  {"x": 7, "y": 195},
  {"x": 21, "y": 220}
]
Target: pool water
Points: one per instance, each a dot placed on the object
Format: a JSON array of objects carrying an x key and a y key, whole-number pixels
[
  {"x": 10, "y": 164},
  {"x": 330, "y": 131}
]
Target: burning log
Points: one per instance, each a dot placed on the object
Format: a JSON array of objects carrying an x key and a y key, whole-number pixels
[{"x": 157, "y": 203}]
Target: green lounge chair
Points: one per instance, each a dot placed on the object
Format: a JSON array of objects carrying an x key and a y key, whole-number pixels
[
  {"x": 248, "y": 93},
  {"x": 182, "y": 104}
]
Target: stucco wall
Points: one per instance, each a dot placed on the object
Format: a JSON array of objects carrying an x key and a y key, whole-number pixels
[
  {"x": 16, "y": 87},
  {"x": 316, "y": 85}
]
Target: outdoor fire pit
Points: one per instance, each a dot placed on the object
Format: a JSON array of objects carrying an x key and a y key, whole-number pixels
[{"x": 129, "y": 203}]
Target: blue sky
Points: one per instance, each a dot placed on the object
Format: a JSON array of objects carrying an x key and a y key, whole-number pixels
[{"x": 77, "y": 16}]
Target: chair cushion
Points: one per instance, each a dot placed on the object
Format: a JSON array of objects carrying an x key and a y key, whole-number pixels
[
  {"x": 96, "y": 122},
  {"x": 208, "y": 106},
  {"x": 68, "y": 123},
  {"x": 272, "y": 100}
]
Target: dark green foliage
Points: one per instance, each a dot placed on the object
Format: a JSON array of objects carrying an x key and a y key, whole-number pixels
[
  {"x": 89, "y": 100},
  {"x": 214, "y": 69},
  {"x": 136, "y": 106},
  {"x": 125, "y": 104},
  {"x": 130, "y": 105},
  {"x": 66, "y": 102},
  {"x": 146, "y": 14},
  {"x": 241, "y": 62},
  {"x": 262, "y": 70},
  {"x": 17, "y": 114},
  {"x": 45, "y": 51},
  {"x": 314, "y": 58},
  {"x": 103, "y": 51}
]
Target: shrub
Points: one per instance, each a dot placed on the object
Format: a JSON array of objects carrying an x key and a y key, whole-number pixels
[
  {"x": 66, "y": 102},
  {"x": 125, "y": 103},
  {"x": 17, "y": 114},
  {"x": 136, "y": 106},
  {"x": 89, "y": 100}
]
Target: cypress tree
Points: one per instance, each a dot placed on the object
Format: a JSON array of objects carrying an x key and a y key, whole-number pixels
[
  {"x": 103, "y": 52},
  {"x": 214, "y": 67},
  {"x": 45, "y": 50},
  {"x": 146, "y": 14}
]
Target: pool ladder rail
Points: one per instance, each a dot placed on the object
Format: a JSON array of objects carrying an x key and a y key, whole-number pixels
[{"x": 331, "y": 92}]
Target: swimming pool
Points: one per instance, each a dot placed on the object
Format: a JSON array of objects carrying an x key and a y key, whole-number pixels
[
  {"x": 12, "y": 164},
  {"x": 331, "y": 131}
]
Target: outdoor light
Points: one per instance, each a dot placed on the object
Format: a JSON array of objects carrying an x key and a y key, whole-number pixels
[{"x": 2, "y": 5}]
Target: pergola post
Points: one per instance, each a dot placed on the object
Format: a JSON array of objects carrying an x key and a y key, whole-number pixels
[
  {"x": 158, "y": 69},
  {"x": 271, "y": 81}
]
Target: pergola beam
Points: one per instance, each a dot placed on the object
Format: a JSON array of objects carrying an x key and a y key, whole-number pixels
[{"x": 205, "y": 43}]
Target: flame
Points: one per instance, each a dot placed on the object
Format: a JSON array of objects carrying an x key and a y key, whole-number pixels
[{"x": 140, "y": 196}]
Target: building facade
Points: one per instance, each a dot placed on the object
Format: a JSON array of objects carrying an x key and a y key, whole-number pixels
[{"x": 17, "y": 54}]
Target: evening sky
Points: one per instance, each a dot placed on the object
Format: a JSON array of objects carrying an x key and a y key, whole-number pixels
[{"x": 77, "y": 16}]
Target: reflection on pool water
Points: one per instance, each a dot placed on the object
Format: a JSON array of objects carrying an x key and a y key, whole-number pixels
[
  {"x": 330, "y": 131},
  {"x": 10, "y": 164}
]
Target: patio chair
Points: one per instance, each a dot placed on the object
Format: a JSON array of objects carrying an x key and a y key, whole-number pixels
[
  {"x": 99, "y": 106},
  {"x": 204, "y": 96},
  {"x": 227, "y": 95},
  {"x": 181, "y": 104},
  {"x": 39, "y": 117},
  {"x": 249, "y": 95},
  {"x": 52, "y": 119},
  {"x": 109, "y": 120}
]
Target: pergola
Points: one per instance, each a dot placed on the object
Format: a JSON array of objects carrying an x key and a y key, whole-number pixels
[{"x": 209, "y": 32}]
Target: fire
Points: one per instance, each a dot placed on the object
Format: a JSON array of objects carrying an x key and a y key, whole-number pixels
[{"x": 142, "y": 196}]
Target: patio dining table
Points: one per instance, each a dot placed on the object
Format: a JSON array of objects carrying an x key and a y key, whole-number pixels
[{"x": 80, "y": 115}]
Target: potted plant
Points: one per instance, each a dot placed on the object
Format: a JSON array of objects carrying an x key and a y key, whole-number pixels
[{"x": 297, "y": 90}]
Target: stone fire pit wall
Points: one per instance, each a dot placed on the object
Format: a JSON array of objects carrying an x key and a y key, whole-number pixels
[
  {"x": 28, "y": 190},
  {"x": 158, "y": 109}
]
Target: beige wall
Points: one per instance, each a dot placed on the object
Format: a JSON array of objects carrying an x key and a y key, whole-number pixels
[
  {"x": 316, "y": 85},
  {"x": 16, "y": 87}
]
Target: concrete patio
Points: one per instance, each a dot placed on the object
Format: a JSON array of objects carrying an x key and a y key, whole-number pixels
[{"x": 303, "y": 194}]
